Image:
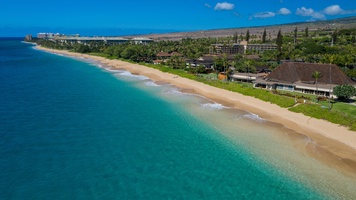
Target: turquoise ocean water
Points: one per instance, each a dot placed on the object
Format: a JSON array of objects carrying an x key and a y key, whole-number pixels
[{"x": 73, "y": 129}]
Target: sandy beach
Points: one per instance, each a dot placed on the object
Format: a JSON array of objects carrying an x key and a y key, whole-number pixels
[{"x": 336, "y": 143}]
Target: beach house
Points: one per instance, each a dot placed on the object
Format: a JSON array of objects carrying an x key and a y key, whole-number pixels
[{"x": 298, "y": 77}]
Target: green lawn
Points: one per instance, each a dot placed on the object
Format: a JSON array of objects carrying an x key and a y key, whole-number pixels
[
  {"x": 336, "y": 115},
  {"x": 346, "y": 108}
]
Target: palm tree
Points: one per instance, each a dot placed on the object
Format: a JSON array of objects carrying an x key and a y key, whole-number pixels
[
  {"x": 248, "y": 64},
  {"x": 225, "y": 63},
  {"x": 316, "y": 75}
]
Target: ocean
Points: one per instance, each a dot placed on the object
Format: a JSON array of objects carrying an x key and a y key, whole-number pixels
[{"x": 72, "y": 128}]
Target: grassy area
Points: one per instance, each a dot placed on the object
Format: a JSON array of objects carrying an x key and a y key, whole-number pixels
[
  {"x": 342, "y": 107},
  {"x": 322, "y": 112}
]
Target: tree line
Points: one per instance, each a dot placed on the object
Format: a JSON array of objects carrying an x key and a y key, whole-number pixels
[{"x": 318, "y": 46}]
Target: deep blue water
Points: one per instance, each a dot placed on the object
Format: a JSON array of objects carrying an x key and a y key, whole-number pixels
[{"x": 71, "y": 130}]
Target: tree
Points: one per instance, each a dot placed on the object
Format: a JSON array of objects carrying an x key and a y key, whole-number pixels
[
  {"x": 247, "y": 35},
  {"x": 279, "y": 43},
  {"x": 248, "y": 64},
  {"x": 241, "y": 37},
  {"x": 236, "y": 37},
  {"x": 306, "y": 32},
  {"x": 295, "y": 35},
  {"x": 344, "y": 92},
  {"x": 225, "y": 63},
  {"x": 353, "y": 39},
  {"x": 334, "y": 37},
  {"x": 316, "y": 75},
  {"x": 279, "y": 40},
  {"x": 264, "y": 36}
]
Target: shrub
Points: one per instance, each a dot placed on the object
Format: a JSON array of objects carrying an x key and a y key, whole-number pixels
[{"x": 344, "y": 92}]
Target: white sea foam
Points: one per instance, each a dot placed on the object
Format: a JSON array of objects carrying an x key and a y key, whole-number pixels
[
  {"x": 151, "y": 83},
  {"x": 172, "y": 91},
  {"x": 310, "y": 141},
  {"x": 253, "y": 117},
  {"x": 114, "y": 70},
  {"x": 213, "y": 106},
  {"x": 128, "y": 74}
]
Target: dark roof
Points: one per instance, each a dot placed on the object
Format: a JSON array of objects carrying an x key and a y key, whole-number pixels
[
  {"x": 163, "y": 54},
  {"x": 200, "y": 62},
  {"x": 292, "y": 72},
  {"x": 176, "y": 54},
  {"x": 253, "y": 57},
  {"x": 259, "y": 68}
]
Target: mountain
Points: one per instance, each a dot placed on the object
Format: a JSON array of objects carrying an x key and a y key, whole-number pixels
[{"x": 272, "y": 30}]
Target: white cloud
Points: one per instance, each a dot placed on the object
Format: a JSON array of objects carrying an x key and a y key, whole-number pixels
[
  {"x": 309, "y": 12},
  {"x": 284, "y": 11},
  {"x": 268, "y": 14},
  {"x": 318, "y": 15},
  {"x": 264, "y": 15},
  {"x": 335, "y": 10},
  {"x": 304, "y": 11},
  {"x": 224, "y": 6},
  {"x": 207, "y": 5}
]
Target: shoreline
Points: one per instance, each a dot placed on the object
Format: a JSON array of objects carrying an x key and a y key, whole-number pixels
[{"x": 336, "y": 143}]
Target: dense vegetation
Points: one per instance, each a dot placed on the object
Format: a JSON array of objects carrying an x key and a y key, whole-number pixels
[{"x": 319, "y": 46}]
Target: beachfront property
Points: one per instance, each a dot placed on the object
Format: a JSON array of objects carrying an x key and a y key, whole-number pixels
[
  {"x": 297, "y": 77},
  {"x": 88, "y": 40},
  {"x": 240, "y": 48},
  {"x": 206, "y": 61},
  {"x": 28, "y": 37},
  {"x": 140, "y": 40},
  {"x": 106, "y": 40},
  {"x": 75, "y": 38},
  {"x": 165, "y": 56},
  {"x": 261, "y": 72},
  {"x": 53, "y": 35}
]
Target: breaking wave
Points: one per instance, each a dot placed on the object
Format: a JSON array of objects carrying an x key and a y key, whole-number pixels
[
  {"x": 128, "y": 74},
  {"x": 213, "y": 106},
  {"x": 172, "y": 91},
  {"x": 151, "y": 83},
  {"x": 254, "y": 117}
]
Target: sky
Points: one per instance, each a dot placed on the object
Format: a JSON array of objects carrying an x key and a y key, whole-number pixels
[{"x": 123, "y": 17}]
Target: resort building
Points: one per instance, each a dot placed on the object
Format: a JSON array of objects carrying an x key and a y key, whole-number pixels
[
  {"x": 75, "y": 38},
  {"x": 240, "y": 48},
  {"x": 88, "y": 40},
  {"x": 297, "y": 77},
  {"x": 206, "y": 61},
  {"x": 226, "y": 49},
  {"x": 141, "y": 40},
  {"x": 260, "y": 48},
  {"x": 28, "y": 37},
  {"x": 261, "y": 72}
]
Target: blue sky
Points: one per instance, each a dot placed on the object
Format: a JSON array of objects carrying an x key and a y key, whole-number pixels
[{"x": 117, "y": 17}]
